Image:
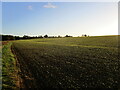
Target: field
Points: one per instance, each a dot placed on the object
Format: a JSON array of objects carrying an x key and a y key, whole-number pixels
[{"x": 73, "y": 62}]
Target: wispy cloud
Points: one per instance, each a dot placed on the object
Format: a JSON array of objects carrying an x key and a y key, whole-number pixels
[
  {"x": 30, "y": 7},
  {"x": 49, "y": 5}
]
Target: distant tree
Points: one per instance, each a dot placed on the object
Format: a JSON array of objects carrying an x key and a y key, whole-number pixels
[
  {"x": 26, "y": 37},
  {"x": 17, "y": 38},
  {"x": 68, "y": 36},
  {"x": 85, "y": 35},
  {"x": 0, "y": 37},
  {"x": 59, "y": 36},
  {"x": 7, "y": 37},
  {"x": 46, "y": 36},
  {"x": 40, "y": 36}
]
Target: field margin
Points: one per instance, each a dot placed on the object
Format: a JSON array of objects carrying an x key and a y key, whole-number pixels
[{"x": 9, "y": 70}]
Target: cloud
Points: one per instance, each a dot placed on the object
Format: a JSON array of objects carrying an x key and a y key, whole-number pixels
[
  {"x": 30, "y": 7},
  {"x": 49, "y": 5}
]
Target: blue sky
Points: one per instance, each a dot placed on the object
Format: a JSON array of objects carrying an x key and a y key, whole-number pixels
[
  {"x": 0, "y": 17},
  {"x": 60, "y": 18}
]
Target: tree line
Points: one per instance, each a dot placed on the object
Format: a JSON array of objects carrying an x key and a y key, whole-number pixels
[{"x": 11, "y": 37}]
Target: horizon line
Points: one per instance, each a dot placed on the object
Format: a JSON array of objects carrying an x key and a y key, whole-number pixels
[{"x": 60, "y": 35}]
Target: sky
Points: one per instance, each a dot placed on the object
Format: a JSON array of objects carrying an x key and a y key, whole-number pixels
[
  {"x": 60, "y": 0},
  {"x": 0, "y": 17},
  {"x": 60, "y": 18}
]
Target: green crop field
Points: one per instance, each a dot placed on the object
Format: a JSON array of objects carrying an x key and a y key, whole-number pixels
[{"x": 73, "y": 62}]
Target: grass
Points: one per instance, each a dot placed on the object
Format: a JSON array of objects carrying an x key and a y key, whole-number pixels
[
  {"x": 0, "y": 65},
  {"x": 86, "y": 62},
  {"x": 8, "y": 68}
]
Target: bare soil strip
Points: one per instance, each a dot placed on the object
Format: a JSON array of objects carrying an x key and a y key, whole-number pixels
[
  {"x": 19, "y": 81},
  {"x": 23, "y": 81}
]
